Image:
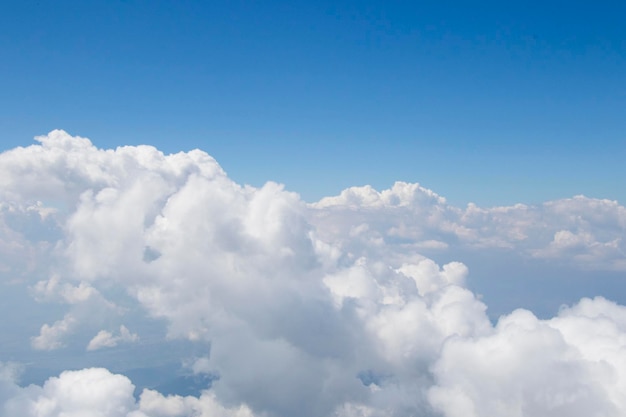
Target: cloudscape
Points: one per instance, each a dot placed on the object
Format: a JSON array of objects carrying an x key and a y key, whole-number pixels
[{"x": 138, "y": 283}]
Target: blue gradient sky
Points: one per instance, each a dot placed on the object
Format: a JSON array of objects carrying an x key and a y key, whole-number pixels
[{"x": 495, "y": 103}]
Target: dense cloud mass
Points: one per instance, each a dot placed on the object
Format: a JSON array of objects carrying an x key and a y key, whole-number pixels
[{"x": 324, "y": 309}]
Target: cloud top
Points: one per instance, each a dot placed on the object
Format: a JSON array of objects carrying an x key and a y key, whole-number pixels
[{"x": 327, "y": 309}]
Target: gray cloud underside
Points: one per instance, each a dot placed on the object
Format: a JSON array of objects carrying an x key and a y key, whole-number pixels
[{"x": 324, "y": 309}]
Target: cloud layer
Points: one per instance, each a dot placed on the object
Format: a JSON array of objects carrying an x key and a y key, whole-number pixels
[
  {"x": 324, "y": 309},
  {"x": 585, "y": 231}
]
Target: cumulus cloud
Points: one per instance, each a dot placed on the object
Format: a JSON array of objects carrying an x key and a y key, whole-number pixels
[
  {"x": 88, "y": 306},
  {"x": 53, "y": 289},
  {"x": 153, "y": 404},
  {"x": 96, "y": 392},
  {"x": 407, "y": 217},
  {"x": 326, "y": 309},
  {"x": 106, "y": 339},
  {"x": 566, "y": 366},
  {"x": 89, "y": 392},
  {"x": 51, "y": 336}
]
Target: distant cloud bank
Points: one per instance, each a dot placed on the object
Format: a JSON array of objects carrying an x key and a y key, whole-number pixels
[{"x": 323, "y": 309}]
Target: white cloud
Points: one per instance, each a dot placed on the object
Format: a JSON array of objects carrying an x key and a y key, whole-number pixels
[
  {"x": 101, "y": 340},
  {"x": 585, "y": 231},
  {"x": 572, "y": 365},
  {"x": 153, "y": 404},
  {"x": 326, "y": 309},
  {"x": 51, "y": 336},
  {"x": 96, "y": 392},
  {"x": 402, "y": 194},
  {"x": 51, "y": 289},
  {"x": 105, "y": 339},
  {"x": 28, "y": 233},
  {"x": 88, "y": 306}
]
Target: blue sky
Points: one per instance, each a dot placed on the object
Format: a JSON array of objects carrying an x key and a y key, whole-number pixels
[{"x": 494, "y": 103}]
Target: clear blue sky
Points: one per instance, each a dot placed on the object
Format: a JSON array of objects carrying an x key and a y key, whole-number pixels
[{"x": 491, "y": 102}]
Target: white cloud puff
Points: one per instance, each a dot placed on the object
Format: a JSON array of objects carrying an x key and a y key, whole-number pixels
[
  {"x": 96, "y": 392},
  {"x": 89, "y": 392},
  {"x": 105, "y": 339},
  {"x": 153, "y": 404},
  {"x": 50, "y": 336},
  {"x": 571, "y": 365},
  {"x": 317, "y": 310}
]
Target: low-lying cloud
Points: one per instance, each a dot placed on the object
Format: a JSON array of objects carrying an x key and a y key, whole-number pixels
[{"x": 323, "y": 309}]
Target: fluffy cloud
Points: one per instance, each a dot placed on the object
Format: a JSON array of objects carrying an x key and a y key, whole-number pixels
[
  {"x": 106, "y": 339},
  {"x": 325, "y": 309},
  {"x": 96, "y": 392},
  {"x": 88, "y": 307},
  {"x": 584, "y": 231},
  {"x": 50, "y": 336},
  {"x": 571, "y": 365},
  {"x": 89, "y": 392}
]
